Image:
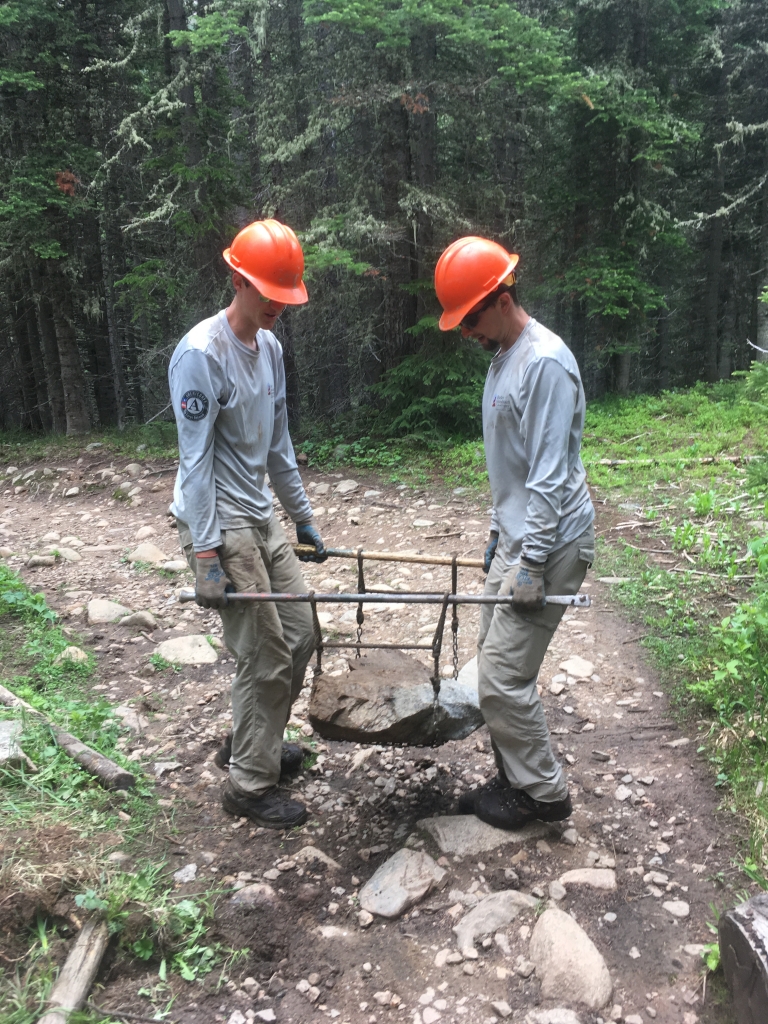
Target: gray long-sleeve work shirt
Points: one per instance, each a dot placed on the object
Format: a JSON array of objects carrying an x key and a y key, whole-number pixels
[
  {"x": 229, "y": 402},
  {"x": 533, "y": 419}
]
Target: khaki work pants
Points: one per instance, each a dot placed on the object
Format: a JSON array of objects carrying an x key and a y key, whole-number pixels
[
  {"x": 271, "y": 644},
  {"x": 510, "y": 649}
]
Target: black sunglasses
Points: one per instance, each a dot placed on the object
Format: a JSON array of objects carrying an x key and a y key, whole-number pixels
[{"x": 471, "y": 320}]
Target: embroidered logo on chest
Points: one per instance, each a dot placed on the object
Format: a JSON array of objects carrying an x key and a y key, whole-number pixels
[{"x": 502, "y": 402}]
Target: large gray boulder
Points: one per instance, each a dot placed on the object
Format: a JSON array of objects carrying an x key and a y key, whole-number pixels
[
  {"x": 743, "y": 935},
  {"x": 387, "y": 697}
]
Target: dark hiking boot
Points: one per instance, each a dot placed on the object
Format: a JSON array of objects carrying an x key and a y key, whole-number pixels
[
  {"x": 271, "y": 809},
  {"x": 291, "y": 756},
  {"x": 512, "y": 809},
  {"x": 468, "y": 800}
]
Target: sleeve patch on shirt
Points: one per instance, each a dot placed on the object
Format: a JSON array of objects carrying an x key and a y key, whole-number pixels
[{"x": 194, "y": 405}]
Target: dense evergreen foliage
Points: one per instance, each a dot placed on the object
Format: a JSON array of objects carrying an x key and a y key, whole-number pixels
[{"x": 620, "y": 145}]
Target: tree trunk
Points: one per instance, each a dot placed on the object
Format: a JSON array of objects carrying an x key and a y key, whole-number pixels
[
  {"x": 715, "y": 246},
  {"x": 116, "y": 356},
  {"x": 47, "y": 333},
  {"x": 72, "y": 377},
  {"x": 762, "y": 277}
]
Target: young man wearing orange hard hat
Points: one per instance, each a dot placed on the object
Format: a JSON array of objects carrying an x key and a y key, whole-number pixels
[
  {"x": 227, "y": 383},
  {"x": 542, "y": 536}
]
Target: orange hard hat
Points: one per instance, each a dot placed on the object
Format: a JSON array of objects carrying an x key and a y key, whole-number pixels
[
  {"x": 468, "y": 270},
  {"x": 269, "y": 255}
]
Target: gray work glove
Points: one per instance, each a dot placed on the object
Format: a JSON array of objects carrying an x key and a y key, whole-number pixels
[
  {"x": 490, "y": 551},
  {"x": 528, "y": 586},
  {"x": 211, "y": 583}
]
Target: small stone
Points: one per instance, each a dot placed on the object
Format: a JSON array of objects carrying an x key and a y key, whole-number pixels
[
  {"x": 130, "y": 718},
  {"x": 144, "y": 532},
  {"x": 268, "y": 1014},
  {"x": 100, "y": 611},
  {"x": 578, "y": 667},
  {"x": 651, "y": 1012},
  {"x": 140, "y": 620},
  {"x": 468, "y": 968},
  {"x": 557, "y": 891},
  {"x": 175, "y": 565},
  {"x": 186, "y": 874},
  {"x": 430, "y": 1015},
  {"x": 570, "y": 837},
  {"x": 677, "y": 908},
  {"x": 74, "y": 655},
  {"x": 610, "y": 917},
  {"x": 601, "y": 755},
  {"x": 41, "y": 561},
  {"x": 442, "y": 958},
  {"x": 596, "y": 878},
  {"x": 492, "y": 913},
  {"x": 622, "y": 793},
  {"x": 634, "y": 953},
  {"x": 71, "y": 492},
  {"x": 272, "y": 874},
  {"x": 502, "y": 1008},
  {"x": 557, "y": 1016},
  {"x": 383, "y": 998},
  {"x": 633, "y": 1018},
  {"x": 365, "y": 919},
  {"x": 542, "y": 846},
  {"x": 148, "y": 552},
  {"x": 682, "y": 742},
  {"x": 556, "y": 688},
  {"x": 187, "y": 650},
  {"x": 502, "y": 942},
  {"x": 524, "y": 967},
  {"x": 236, "y": 1018},
  {"x": 342, "y": 487},
  {"x": 400, "y": 882}
]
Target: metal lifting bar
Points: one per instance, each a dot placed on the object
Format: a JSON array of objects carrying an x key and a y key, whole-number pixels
[{"x": 368, "y": 597}]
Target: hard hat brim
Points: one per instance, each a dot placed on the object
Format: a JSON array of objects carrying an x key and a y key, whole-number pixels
[{"x": 295, "y": 296}]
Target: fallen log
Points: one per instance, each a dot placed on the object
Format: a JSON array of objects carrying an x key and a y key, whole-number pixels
[
  {"x": 78, "y": 973},
  {"x": 111, "y": 775}
]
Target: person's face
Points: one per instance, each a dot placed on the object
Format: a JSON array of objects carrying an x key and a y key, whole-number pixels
[
  {"x": 483, "y": 324},
  {"x": 259, "y": 309}
]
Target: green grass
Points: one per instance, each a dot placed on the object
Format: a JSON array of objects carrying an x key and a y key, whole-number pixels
[
  {"x": 166, "y": 934},
  {"x": 703, "y": 612}
]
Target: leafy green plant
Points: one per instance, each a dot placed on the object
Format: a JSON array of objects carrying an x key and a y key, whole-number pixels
[
  {"x": 703, "y": 503},
  {"x": 159, "y": 662}
]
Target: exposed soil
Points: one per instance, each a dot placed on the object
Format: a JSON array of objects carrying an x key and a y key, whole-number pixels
[{"x": 670, "y": 824}]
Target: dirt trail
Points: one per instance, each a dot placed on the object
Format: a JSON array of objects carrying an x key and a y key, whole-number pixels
[{"x": 644, "y": 803}]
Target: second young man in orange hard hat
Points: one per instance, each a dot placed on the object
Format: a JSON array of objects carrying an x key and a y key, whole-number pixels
[
  {"x": 227, "y": 385},
  {"x": 541, "y": 538}
]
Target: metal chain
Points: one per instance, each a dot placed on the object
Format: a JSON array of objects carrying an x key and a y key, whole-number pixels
[
  {"x": 455, "y": 617},
  {"x": 360, "y": 590}
]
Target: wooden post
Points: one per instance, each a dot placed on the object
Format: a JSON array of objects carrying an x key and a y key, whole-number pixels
[{"x": 77, "y": 975}]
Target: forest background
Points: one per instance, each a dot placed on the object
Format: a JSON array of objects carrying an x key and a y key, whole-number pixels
[{"x": 621, "y": 146}]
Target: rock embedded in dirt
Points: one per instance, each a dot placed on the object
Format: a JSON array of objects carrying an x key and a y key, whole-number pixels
[
  {"x": 577, "y": 667},
  {"x": 466, "y": 835},
  {"x": 141, "y": 620},
  {"x": 596, "y": 878},
  {"x": 622, "y": 793},
  {"x": 41, "y": 562},
  {"x": 344, "y": 487},
  {"x": 100, "y": 611},
  {"x": 72, "y": 654},
  {"x": 144, "y": 532},
  {"x": 491, "y": 913},
  {"x": 187, "y": 650},
  {"x": 387, "y": 697},
  {"x": 309, "y": 855},
  {"x": 148, "y": 552},
  {"x": 130, "y": 718},
  {"x": 258, "y": 894},
  {"x": 560, "y": 1015},
  {"x": 186, "y": 874},
  {"x": 400, "y": 882},
  {"x": 568, "y": 964},
  {"x": 133, "y": 470},
  {"x": 677, "y": 908},
  {"x": 175, "y": 565},
  {"x": 557, "y": 891}
]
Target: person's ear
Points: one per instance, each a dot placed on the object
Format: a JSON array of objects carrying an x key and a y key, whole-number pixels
[{"x": 505, "y": 302}]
